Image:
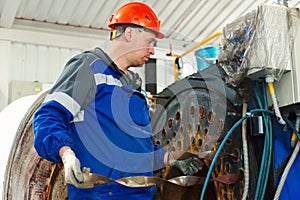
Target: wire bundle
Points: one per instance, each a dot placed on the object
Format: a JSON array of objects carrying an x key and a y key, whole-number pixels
[
  {"x": 268, "y": 144},
  {"x": 267, "y": 153},
  {"x": 248, "y": 115},
  {"x": 261, "y": 97}
]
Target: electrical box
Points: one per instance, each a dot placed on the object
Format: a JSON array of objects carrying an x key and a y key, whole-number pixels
[
  {"x": 259, "y": 44},
  {"x": 19, "y": 89},
  {"x": 270, "y": 52},
  {"x": 288, "y": 87}
]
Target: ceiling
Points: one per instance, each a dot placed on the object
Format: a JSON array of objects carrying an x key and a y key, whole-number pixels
[{"x": 184, "y": 23}]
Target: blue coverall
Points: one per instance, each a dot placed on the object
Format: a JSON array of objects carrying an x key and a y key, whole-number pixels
[{"x": 101, "y": 113}]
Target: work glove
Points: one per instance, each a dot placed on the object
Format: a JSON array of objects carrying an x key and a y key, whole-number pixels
[
  {"x": 73, "y": 173},
  {"x": 188, "y": 164}
]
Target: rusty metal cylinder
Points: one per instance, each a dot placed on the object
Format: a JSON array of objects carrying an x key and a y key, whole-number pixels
[{"x": 24, "y": 174}]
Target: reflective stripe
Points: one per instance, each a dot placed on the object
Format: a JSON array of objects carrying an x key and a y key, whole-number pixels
[
  {"x": 66, "y": 101},
  {"x": 107, "y": 79},
  {"x": 79, "y": 117}
]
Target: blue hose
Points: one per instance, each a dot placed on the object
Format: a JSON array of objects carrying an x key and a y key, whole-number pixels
[
  {"x": 267, "y": 150},
  {"x": 269, "y": 145},
  {"x": 223, "y": 143}
]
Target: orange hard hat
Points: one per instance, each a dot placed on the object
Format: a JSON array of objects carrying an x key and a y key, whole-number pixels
[{"x": 136, "y": 13}]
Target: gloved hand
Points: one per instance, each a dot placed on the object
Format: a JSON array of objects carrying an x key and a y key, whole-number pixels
[
  {"x": 73, "y": 173},
  {"x": 187, "y": 165}
]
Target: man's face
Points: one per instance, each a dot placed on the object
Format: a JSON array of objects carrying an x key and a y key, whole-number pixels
[{"x": 142, "y": 46}]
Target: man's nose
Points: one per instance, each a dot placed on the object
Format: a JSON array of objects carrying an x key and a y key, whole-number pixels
[{"x": 151, "y": 49}]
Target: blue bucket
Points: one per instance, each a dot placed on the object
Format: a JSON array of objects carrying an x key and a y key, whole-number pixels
[{"x": 206, "y": 56}]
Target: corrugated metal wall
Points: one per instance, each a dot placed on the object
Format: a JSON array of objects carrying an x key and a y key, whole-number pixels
[
  {"x": 43, "y": 63},
  {"x": 30, "y": 62},
  {"x": 38, "y": 62}
]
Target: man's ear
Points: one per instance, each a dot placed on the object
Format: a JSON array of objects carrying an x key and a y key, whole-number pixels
[{"x": 128, "y": 33}]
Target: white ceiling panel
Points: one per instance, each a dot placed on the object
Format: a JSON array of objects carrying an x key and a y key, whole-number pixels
[
  {"x": 183, "y": 21},
  {"x": 81, "y": 10},
  {"x": 30, "y": 8},
  {"x": 41, "y": 12},
  {"x": 104, "y": 13},
  {"x": 159, "y": 6},
  {"x": 8, "y": 13},
  {"x": 177, "y": 14},
  {"x": 212, "y": 16},
  {"x": 222, "y": 18},
  {"x": 92, "y": 11},
  {"x": 55, "y": 9},
  {"x": 20, "y": 8},
  {"x": 179, "y": 32},
  {"x": 68, "y": 11},
  {"x": 168, "y": 11},
  {"x": 202, "y": 18}
]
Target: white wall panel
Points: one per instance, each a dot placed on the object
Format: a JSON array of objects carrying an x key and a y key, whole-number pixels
[
  {"x": 44, "y": 64},
  {"x": 5, "y": 71},
  {"x": 39, "y": 56},
  {"x": 165, "y": 74},
  {"x": 55, "y": 64},
  {"x": 30, "y": 64},
  {"x": 17, "y": 69},
  {"x": 43, "y": 69},
  {"x": 38, "y": 62}
]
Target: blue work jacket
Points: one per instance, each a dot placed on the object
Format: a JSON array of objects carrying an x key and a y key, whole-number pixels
[{"x": 101, "y": 113}]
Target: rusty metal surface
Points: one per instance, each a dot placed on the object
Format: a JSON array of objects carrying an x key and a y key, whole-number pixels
[
  {"x": 28, "y": 176},
  {"x": 195, "y": 117}
]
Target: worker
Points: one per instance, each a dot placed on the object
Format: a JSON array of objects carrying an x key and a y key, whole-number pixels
[{"x": 96, "y": 115}]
